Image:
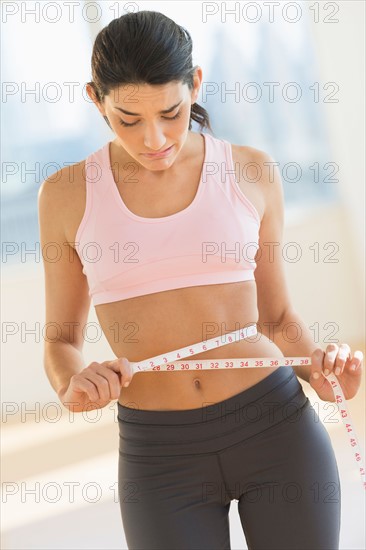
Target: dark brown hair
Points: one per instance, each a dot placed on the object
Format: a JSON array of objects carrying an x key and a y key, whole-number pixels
[{"x": 145, "y": 47}]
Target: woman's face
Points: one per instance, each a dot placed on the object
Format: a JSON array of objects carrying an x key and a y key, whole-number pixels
[{"x": 136, "y": 115}]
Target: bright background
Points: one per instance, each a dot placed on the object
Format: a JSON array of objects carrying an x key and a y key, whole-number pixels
[{"x": 46, "y": 451}]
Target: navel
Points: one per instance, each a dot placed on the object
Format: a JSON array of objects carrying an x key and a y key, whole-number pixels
[{"x": 197, "y": 383}]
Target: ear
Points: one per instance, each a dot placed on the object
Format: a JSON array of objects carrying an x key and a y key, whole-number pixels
[
  {"x": 197, "y": 80},
  {"x": 91, "y": 93}
]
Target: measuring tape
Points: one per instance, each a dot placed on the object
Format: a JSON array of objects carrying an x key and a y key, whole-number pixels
[{"x": 168, "y": 362}]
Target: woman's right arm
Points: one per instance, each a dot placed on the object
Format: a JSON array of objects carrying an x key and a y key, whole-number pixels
[{"x": 67, "y": 304}]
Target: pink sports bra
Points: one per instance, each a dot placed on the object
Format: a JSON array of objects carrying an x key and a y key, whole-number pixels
[{"x": 214, "y": 240}]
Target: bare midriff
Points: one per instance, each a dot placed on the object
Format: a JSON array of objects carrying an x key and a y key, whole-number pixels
[{"x": 157, "y": 323}]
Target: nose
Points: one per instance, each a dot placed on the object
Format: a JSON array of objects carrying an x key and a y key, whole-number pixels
[{"x": 154, "y": 139}]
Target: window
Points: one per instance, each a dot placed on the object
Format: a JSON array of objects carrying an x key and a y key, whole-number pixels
[{"x": 261, "y": 87}]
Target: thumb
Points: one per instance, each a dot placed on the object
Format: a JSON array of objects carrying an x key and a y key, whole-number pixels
[
  {"x": 122, "y": 366},
  {"x": 126, "y": 370},
  {"x": 316, "y": 378}
]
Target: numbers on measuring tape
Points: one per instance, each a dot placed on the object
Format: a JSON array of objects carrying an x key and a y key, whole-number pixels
[{"x": 169, "y": 363}]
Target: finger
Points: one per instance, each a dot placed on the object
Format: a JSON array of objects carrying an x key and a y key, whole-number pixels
[
  {"x": 329, "y": 358},
  {"x": 356, "y": 361},
  {"x": 113, "y": 365},
  {"x": 316, "y": 368},
  {"x": 101, "y": 384},
  {"x": 344, "y": 353},
  {"x": 81, "y": 384},
  {"x": 113, "y": 379},
  {"x": 124, "y": 367}
]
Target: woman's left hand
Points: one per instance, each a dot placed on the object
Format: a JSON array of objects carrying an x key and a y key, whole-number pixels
[{"x": 334, "y": 358}]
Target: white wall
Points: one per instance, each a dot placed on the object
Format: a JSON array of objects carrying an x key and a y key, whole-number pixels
[{"x": 335, "y": 292}]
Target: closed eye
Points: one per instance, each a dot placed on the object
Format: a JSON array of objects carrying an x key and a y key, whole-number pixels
[{"x": 165, "y": 117}]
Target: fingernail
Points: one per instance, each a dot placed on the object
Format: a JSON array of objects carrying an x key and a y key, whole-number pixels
[
  {"x": 353, "y": 367},
  {"x": 337, "y": 371},
  {"x": 126, "y": 384},
  {"x": 316, "y": 375},
  {"x": 326, "y": 372}
]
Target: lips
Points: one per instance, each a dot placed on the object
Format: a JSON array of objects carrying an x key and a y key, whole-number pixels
[{"x": 157, "y": 154}]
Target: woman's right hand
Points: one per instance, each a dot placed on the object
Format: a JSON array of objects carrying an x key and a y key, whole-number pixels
[{"x": 96, "y": 385}]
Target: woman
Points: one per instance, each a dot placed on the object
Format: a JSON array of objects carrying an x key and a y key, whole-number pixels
[{"x": 160, "y": 242}]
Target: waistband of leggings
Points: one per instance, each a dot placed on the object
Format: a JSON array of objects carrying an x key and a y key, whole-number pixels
[
  {"x": 276, "y": 398},
  {"x": 272, "y": 383}
]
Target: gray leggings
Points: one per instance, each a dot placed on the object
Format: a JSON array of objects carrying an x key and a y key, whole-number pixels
[{"x": 265, "y": 447}]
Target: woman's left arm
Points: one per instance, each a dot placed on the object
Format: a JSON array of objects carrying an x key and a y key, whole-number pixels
[{"x": 277, "y": 318}]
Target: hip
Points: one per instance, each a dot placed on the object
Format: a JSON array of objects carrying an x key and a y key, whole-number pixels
[{"x": 275, "y": 399}]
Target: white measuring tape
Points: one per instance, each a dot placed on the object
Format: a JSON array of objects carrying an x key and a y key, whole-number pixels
[{"x": 171, "y": 362}]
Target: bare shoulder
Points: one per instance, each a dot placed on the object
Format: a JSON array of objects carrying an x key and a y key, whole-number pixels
[
  {"x": 63, "y": 195},
  {"x": 253, "y": 169},
  {"x": 255, "y": 161},
  {"x": 64, "y": 180}
]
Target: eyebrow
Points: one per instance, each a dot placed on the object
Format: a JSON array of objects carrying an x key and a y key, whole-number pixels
[{"x": 165, "y": 111}]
